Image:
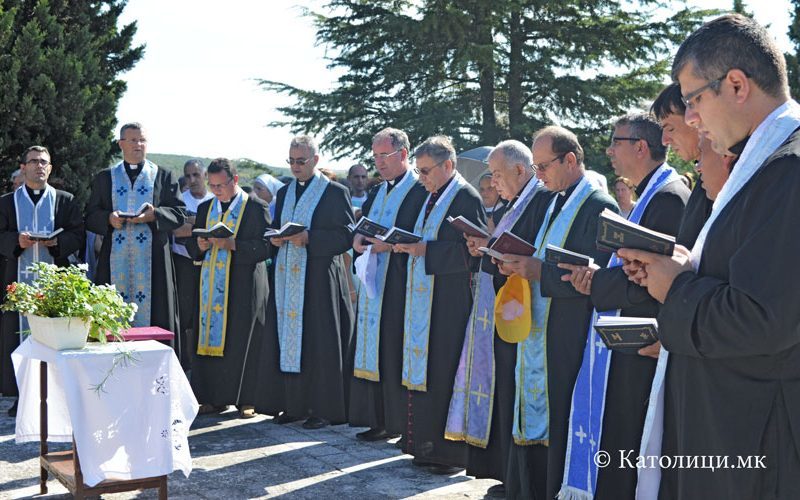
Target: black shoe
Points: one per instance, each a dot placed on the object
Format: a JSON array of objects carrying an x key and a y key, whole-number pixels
[
  {"x": 438, "y": 469},
  {"x": 12, "y": 412},
  {"x": 497, "y": 491},
  {"x": 375, "y": 435},
  {"x": 285, "y": 418},
  {"x": 315, "y": 423}
]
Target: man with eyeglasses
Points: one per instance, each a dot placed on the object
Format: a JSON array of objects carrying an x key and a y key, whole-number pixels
[
  {"x": 377, "y": 396},
  {"x": 233, "y": 290},
  {"x": 311, "y": 304},
  {"x": 487, "y": 361},
  {"x": 548, "y": 358},
  {"x": 135, "y": 205},
  {"x": 729, "y": 318},
  {"x": 620, "y": 382},
  {"x": 437, "y": 304},
  {"x": 36, "y": 207}
]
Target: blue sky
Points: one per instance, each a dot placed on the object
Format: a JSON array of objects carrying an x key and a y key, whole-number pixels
[{"x": 194, "y": 88}]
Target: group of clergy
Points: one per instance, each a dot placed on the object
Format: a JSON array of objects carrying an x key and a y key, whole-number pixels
[{"x": 712, "y": 410}]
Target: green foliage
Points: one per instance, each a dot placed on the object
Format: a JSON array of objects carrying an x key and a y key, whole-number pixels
[
  {"x": 792, "y": 62},
  {"x": 67, "y": 292},
  {"x": 484, "y": 71},
  {"x": 248, "y": 169},
  {"x": 59, "y": 62}
]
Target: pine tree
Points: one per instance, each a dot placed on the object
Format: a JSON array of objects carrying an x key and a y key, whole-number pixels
[{"x": 792, "y": 62}]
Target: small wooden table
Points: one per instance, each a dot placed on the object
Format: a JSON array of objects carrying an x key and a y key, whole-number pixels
[{"x": 66, "y": 466}]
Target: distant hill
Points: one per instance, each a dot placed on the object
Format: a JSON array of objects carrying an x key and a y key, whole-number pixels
[{"x": 248, "y": 169}]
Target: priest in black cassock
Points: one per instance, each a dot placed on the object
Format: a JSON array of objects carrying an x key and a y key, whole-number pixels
[
  {"x": 377, "y": 395},
  {"x": 35, "y": 207},
  {"x": 547, "y": 361},
  {"x": 135, "y": 205},
  {"x": 233, "y": 292},
  {"x": 312, "y": 299},
  {"x": 636, "y": 152},
  {"x": 486, "y": 358},
  {"x": 729, "y": 318},
  {"x": 437, "y": 305}
]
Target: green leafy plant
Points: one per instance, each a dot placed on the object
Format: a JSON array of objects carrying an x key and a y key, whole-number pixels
[{"x": 68, "y": 292}]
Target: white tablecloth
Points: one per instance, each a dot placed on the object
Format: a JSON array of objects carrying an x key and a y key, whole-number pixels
[{"x": 138, "y": 427}]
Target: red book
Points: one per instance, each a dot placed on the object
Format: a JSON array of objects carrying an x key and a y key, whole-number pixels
[{"x": 145, "y": 333}]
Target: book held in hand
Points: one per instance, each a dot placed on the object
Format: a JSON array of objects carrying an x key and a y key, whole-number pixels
[
  {"x": 508, "y": 243},
  {"x": 45, "y": 236},
  {"x": 615, "y": 232},
  {"x": 627, "y": 334},
  {"x": 556, "y": 255},
  {"x": 467, "y": 227},
  {"x": 131, "y": 215},
  {"x": 396, "y": 235},
  {"x": 218, "y": 230},
  {"x": 286, "y": 230},
  {"x": 369, "y": 228}
]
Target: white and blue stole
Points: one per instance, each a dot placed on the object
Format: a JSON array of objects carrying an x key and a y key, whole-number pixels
[
  {"x": 290, "y": 272},
  {"x": 589, "y": 393},
  {"x": 215, "y": 280},
  {"x": 470, "y": 415},
  {"x": 531, "y": 399},
  {"x": 38, "y": 218},
  {"x": 767, "y": 137},
  {"x": 383, "y": 211},
  {"x": 419, "y": 292},
  {"x": 131, "y": 246}
]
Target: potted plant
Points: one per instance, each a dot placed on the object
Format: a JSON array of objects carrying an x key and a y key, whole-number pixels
[{"x": 63, "y": 306}]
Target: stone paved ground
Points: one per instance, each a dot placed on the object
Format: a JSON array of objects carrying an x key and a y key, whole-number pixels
[{"x": 256, "y": 458}]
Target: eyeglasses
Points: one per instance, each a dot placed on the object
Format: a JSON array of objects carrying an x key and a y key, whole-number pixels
[
  {"x": 541, "y": 167},
  {"x": 616, "y": 138},
  {"x": 383, "y": 156},
  {"x": 297, "y": 161},
  {"x": 427, "y": 171},
  {"x": 38, "y": 161},
  {"x": 691, "y": 99},
  {"x": 219, "y": 186}
]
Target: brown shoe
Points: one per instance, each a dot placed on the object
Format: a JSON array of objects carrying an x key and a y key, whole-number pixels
[
  {"x": 247, "y": 411},
  {"x": 206, "y": 409}
]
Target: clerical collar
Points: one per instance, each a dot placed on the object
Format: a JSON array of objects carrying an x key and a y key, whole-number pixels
[
  {"x": 643, "y": 183},
  {"x": 397, "y": 179},
  {"x": 568, "y": 192},
  {"x": 34, "y": 194},
  {"x": 129, "y": 166},
  {"x": 444, "y": 186},
  {"x": 519, "y": 193},
  {"x": 307, "y": 181},
  {"x": 737, "y": 148}
]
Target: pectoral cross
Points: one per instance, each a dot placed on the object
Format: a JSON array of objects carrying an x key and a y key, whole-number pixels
[
  {"x": 485, "y": 318},
  {"x": 581, "y": 435},
  {"x": 479, "y": 394}
]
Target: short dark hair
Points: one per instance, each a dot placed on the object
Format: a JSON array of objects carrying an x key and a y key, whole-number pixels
[
  {"x": 644, "y": 126},
  {"x": 350, "y": 170},
  {"x": 197, "y": 162},
  {"x": 734, "y": 41},
  {"x": 222, "y": 165},
  {"x": 439, "y": 148},
  {"x": 398, "y": 137},
  {"x": 131, "y": 126},
  {"x": 668, "y": 102},
  {"x": 39, "y": 149},
  {"x": 564, "y": 141}
]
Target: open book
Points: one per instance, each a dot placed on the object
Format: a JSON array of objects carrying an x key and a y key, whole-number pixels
[
  {"x": 627, "y": 334},
  {"x": 465, "y": 226},
  {"x": 368, "y": 227},
  {"x": 131, "y": 215},
  {"x": 218, "y": 230},
  {"x": 508, "y": 243},
  {"x": 397, "y": 235},
  {"x": 45, "y": 236},
  {"x": 288, "y": 229},
  {"x": 615, "y": 232},
  {"x": 557, "y": 255}
]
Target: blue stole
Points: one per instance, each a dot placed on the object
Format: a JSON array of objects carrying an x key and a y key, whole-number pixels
[
  {"x": 131, "y": 246},
  {"x": 589, "y": 394},
  {"x": 384, "y": 211},
  {"x": 469, "y": 417},
  {"x": 531, "y": 399},
  {"x": 39, "y": 218},
  {"x": 290, "y": 272},
  {"x": 419, "y": 293},
  {"x": 213, "y": 294}
]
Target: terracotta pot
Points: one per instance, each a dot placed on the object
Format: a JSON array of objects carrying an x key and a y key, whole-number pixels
[{"x": 59, "y": 333}]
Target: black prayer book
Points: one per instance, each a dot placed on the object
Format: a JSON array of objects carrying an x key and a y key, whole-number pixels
[
  {"x": 288, "y": 229},
  {"x": 396, "y": 235},
  {"x": 557, "y": 255},
  {"x": 218, "y": 230},
  {"x": 615, "y": 232},
  {"x": 369, "y": 228},
  {"x": 45, "y": 236},
  {"x": 137, "y": 213},
  {"x": 627, "y": 335}
]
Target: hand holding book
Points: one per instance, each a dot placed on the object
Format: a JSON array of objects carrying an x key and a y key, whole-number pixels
[{"x": 661, "y": 270}]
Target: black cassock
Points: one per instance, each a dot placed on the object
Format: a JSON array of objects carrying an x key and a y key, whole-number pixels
[
  {"x": 320, "y": 389},
  {"x": 231, "y": 378},
  {"x": 733, "y": 333},
  {"x": 449, "y": 261},
  {"x": 492, "y": 461},
  {"x": 383, "y": 404},
  {"x": 698, "y": 208},
  {"x": 67, "y": 216},
  {"x": 535, "y": 469},
  {"x": 630, "y": 376},
  {"x": 169, "y": 216}
]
